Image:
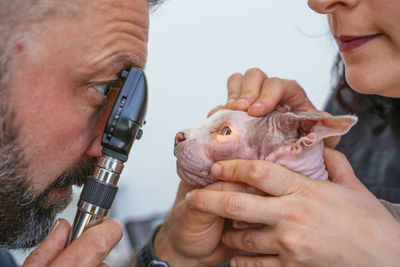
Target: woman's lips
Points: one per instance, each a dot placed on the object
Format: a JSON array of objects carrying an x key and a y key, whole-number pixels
[{"x": 347, "y": 43}]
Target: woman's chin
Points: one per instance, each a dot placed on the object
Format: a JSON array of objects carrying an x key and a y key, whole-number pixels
[{"x": 372, "y": 79}]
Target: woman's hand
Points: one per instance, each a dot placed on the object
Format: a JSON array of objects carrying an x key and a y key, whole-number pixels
[
  {"x": 307, "y": 222},
  {"x": 258, "y": 94}
]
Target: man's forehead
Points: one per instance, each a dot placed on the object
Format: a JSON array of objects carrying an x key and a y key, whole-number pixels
[{"x": 106, "y": 43}]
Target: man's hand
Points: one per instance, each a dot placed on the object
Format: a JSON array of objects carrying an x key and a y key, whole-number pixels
[
  {"x": 307, "y": 222},
  {"x": 90, "y": 249},
  {"x": 193, "y": 238}
]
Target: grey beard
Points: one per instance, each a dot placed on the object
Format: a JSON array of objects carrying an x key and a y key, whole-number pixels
[{"x": 26, "y": 216}]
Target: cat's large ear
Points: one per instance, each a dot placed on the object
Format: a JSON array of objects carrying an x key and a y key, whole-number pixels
[{"x": 303, "y": 153}]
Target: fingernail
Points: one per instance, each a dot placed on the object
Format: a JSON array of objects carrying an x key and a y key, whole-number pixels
[
  {"x": 188, "y": 197},
  {"x": 55, "y": 225},
  {"x": 242, "y": 104},
  {"x": 257, "y": 105},
  {"x": 231, "y": 100},
  {"x": 233, "y": 263},
  {"x": 216, "y": 170},
  {"x": 243, "y": 100}
]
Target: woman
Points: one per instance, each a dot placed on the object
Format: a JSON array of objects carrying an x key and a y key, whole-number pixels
[
  {"x": 307, "y": 222},
  {"x": 337, "y": 223},
  {"x": 372, "y": 146}
]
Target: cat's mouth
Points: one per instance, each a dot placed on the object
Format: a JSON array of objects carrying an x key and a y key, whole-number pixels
[{"x": 194, "y": 178}]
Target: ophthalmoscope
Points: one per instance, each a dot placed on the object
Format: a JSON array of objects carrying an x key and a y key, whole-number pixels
[{"x": 122, "y": 128}]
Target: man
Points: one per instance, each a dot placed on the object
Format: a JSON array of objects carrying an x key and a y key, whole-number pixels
[{"x": 56, "y": 59}]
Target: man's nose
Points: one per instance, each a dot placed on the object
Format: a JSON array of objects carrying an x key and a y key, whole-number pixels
[
  {"x": 330, "y": 6},
  {"x": 95, "y": 148},
  {"x": 179, "y": 137}
]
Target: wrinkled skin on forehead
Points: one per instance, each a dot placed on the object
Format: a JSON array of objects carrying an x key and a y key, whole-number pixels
[{"x": 291, "y": 140}]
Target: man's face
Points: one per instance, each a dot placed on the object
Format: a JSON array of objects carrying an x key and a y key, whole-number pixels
[{"x": 60, "y": 111}]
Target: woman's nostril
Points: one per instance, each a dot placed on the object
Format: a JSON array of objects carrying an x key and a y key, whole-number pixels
[{"x": 180, "y": 137}]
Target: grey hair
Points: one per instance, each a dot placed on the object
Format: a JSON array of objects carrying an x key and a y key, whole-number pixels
[
  {"x": 17, "y": 18},
  {"x": 154, "y": 4}
]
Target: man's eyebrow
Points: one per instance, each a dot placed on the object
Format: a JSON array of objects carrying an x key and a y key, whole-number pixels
[
  {"x": 116, "y": 64},
  {"x": 121, "y": 62}
]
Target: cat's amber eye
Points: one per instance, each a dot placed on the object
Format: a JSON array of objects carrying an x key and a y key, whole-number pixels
[{"x": 226, "y": 131}]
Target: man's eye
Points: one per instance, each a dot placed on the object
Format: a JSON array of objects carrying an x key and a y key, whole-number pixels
[
  {"x": 226, "y": 131},
  {"x": 103, "y": 88}
]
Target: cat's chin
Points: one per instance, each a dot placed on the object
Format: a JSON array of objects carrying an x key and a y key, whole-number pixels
[{"x": 193, "y": 178}]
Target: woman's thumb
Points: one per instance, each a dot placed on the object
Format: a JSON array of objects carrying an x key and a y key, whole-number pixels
[{"x": 339, "y": 168}]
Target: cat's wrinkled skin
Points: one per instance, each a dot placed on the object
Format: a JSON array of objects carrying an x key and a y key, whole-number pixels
[{"x": 291, "y": 140}]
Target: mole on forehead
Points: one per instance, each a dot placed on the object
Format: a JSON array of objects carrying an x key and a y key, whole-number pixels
[{"x": 19, "y": 47}]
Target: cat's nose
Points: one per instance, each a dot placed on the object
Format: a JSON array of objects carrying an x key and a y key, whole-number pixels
[{"x": 179, "y": 137}]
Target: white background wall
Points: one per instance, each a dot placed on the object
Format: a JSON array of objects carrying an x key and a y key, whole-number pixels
[{"x": 194, "y": 46}]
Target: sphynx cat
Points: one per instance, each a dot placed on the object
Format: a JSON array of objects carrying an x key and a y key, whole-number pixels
[{"x": 294, "y": 141}]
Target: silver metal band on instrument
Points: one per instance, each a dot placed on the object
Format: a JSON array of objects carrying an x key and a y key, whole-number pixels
[{"x": 90, "y": 211}]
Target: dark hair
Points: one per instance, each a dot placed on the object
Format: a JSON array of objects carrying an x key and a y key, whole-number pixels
[
  {"x": 386, "y": 108},
  {"x": 154, "y": 4}
]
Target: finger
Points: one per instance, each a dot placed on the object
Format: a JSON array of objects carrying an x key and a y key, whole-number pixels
[
  {"x": 234, "y": 85},
  {"x": 221, "y": 252},
  {"x": 239, "y": 206},
  {"x": 195, "y": 217},
  {"x": 263, "y": 175},
  {"x": 183, "y": 189},
  {"x": 91, "y": 248},
  {"x": 332, "y": 141},
  {"x": 226, "y": 186},
  {"x": 254, "y": 240},
  {"x": 104, "y": 265},
  {"x": 277, "y": 91},
  {"x": 214, "y": 110},
  {"x": 51, "y": 247},
  {"x": 270, "y": 261},
  {"x": 250, "y": 88},
  {"x": 339, "y": 169}
]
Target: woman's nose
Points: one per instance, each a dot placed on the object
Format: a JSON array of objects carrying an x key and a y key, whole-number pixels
[
  {"x": 179, "y": 137},
  {"x": 330, "y": 6}
]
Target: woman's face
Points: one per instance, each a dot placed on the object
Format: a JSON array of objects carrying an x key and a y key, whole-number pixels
[{"x": 368, "y": 35}]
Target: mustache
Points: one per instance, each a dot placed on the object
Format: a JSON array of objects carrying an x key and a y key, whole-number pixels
[
  {"x": 76, "y": 175},
  {"x": 27, "y": 222}
]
